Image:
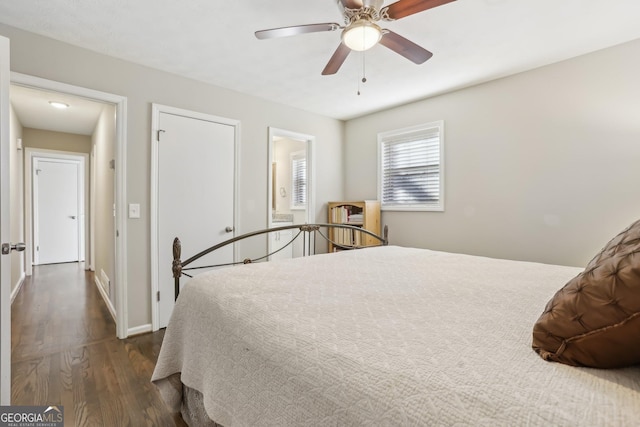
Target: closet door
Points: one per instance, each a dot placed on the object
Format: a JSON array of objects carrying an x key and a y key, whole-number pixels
[
  {"x": 196, "y": 172},
  {"x": 56, "y": 211}
]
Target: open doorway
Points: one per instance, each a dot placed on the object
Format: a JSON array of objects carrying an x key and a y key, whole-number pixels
[
  {"x": 88, "y": 132},
  {"x": 291, "y": 188}
]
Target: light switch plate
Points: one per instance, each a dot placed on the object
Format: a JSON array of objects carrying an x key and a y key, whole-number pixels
[{"x": 134, "y": 210}]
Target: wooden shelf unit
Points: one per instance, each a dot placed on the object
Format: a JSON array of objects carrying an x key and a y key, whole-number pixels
[{"x": 364, "y": 214}]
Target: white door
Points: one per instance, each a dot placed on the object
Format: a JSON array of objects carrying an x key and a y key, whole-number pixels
[
  {"x": 5, "y": 260},
  {"x": 196, "y": 171},
  {"x": 56, "y": 213}
]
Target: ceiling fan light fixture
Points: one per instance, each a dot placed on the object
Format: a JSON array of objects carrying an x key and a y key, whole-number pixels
[{"x": 361, "y": 35}]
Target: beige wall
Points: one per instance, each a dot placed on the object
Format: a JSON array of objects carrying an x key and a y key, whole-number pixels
[
  {"x": 16, "y": 164},
  {"x": 60, "y": 141},
  {"x": 540, "y": 166},
  {"x": 103, "y": 151},
  {"x": 46, "y": 58}
]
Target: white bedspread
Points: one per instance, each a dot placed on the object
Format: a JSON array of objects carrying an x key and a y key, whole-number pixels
[{"x": 382, "y": 336}]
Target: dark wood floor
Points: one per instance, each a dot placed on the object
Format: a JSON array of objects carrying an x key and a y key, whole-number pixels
[{"x": 65, "y": 352}]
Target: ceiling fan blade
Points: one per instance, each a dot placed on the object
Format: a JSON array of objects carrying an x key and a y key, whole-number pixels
[
  {"x": 351, "y": 4},
  {"x": 403, "y": 8},
  {"x": 295, "y": 30},
  {"x": 404, "y": 47},
  {"x": 336, "y": 60}
]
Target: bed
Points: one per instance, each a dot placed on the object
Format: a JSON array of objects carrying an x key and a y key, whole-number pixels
[{"x": 384, "y": 335}]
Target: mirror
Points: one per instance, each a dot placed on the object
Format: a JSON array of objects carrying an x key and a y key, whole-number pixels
[{"x": 291, "y": 187}]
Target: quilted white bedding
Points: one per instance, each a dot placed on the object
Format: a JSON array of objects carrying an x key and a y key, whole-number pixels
[{"x": 382, "y": 336}]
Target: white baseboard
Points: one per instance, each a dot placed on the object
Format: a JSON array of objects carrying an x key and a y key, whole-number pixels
[
  {"x": 139, "y": 329},
  {"x": 105, "y": 297},
  {"x": 131, "y": 331},
  {"x": 16, "y": 289}
]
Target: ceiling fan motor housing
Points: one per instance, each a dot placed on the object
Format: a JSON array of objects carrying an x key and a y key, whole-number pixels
[{"x": 354, "y": 10}]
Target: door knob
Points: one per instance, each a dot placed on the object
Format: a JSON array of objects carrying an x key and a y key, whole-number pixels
[
  {"x": 72, "y": 216},
  {"x": 8, "y": 247},
  {"x": 228, "y": 229}
]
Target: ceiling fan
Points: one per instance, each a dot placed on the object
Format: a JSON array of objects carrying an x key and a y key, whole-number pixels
[{"x": 361, "y": 32}]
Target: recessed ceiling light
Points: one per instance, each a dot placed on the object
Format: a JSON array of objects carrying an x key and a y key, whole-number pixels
[{"x": 57, "y": 104}]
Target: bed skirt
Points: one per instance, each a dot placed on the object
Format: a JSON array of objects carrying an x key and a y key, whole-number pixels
[{"x": 190, "y": 402}]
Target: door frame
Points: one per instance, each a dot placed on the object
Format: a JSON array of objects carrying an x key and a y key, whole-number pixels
[
  {"x": 156, "y": 110},
  {"x": 120, "y": 104},
  {"x": 31, "y": 202},
  {"x": 5, "y": 226},
  {"x": 310, "y": 152}
]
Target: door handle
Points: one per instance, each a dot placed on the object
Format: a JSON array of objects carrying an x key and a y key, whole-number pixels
[
  {"x": 8, "y": 247},
  {"x": 228, "y": 229},
  {"x": 72, "y": 216}
]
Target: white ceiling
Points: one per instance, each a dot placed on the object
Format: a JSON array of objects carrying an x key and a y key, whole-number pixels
[{"x": 212, "y": 41}]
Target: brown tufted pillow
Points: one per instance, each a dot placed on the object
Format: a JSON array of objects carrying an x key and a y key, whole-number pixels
[{"x": 594, "y": 320}]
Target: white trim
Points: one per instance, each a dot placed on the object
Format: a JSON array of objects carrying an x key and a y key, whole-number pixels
[
  {"x": 382, "y": 136},
  {"x": 5, "y": 228},
  {"x": 142, "y": 329},
  {"x": 90, "y": 262},
  {"x": 105, "y": 297},
  {"x": 17, "y": 288},
  {"x": 29, "y": 156},
  {"x": 120, "y": 103},
  {"x": 156, "y": 110},
  {"x": 32, "y": 155}
]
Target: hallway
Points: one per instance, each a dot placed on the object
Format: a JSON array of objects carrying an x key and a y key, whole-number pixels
[{"x": 65, "y": 352}]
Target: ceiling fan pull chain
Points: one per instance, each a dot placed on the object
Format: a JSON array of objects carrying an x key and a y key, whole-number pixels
[
  {"x": 364, "y": 68},
  {"x": 364, "y": 78},
  {"x": 362, "y": 56}
]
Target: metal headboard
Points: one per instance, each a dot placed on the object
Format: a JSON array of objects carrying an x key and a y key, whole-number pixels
[{"x": 307, "y": 232}]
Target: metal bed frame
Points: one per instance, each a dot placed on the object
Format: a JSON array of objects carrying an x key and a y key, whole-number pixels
[{"x": 309, "y": 232}]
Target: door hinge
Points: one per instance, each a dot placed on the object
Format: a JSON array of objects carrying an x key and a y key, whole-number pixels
[
  {"x": 158, "y": 295},
  {"x": 159, "y": 132},
  {"x": 37, "y": 248}
]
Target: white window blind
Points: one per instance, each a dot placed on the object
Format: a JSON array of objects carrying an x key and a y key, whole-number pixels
[
  {"x": 410, "y": 176},
  {"x": 299, "y": 181}
]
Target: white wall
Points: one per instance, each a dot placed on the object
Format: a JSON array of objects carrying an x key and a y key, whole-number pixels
[
  {"x": 541, "y": 166},
  {"x": 16, "y": 162},
  {"x": 43, "y": 57}
]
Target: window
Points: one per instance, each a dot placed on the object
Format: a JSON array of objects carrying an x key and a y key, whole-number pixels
[
  {"x": 299, "y": 180},
  {"x": 410, "y": 174}
]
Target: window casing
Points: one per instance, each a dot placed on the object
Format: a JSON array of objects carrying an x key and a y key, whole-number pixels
[
  {"x": 299, "y": 180},
  {"x": 411, "y": 168}
]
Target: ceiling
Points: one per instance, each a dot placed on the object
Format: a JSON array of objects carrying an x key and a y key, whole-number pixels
[
  {"x": 473, "y": 41},
  {"x": 34, "y": 111}
]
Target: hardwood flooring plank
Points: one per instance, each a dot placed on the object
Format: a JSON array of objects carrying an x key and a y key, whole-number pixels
[
  {"x": 54, "y": 379},
  {"x": 86, "y": 406},
  {"x": 66, "y": 387}
]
